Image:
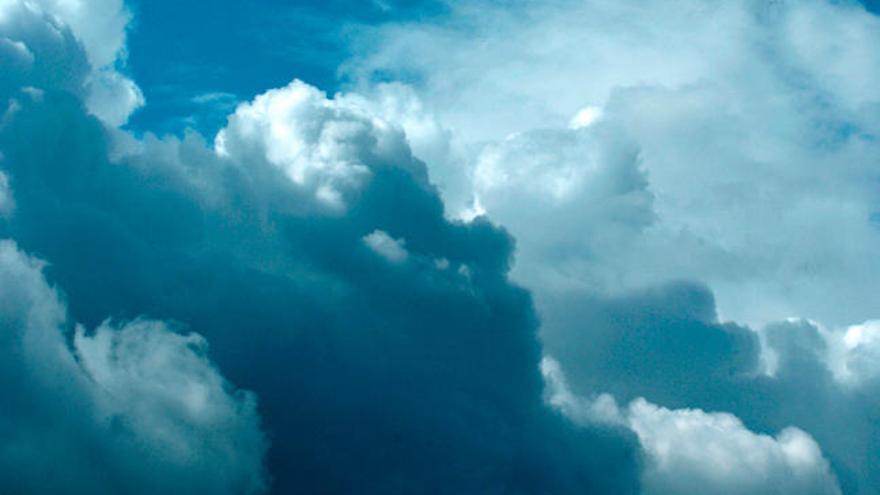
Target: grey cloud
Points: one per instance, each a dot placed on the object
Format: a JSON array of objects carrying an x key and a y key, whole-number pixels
[
  {"x": 666, "y": 345},
  {"x": 133, "y": 409},
  {"x": 372, "y": 377}
]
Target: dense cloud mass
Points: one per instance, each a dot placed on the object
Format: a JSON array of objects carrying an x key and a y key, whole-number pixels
[
  {"x": 131, "y": 408},
  {"x": 732, "y": 143},
  {"x": 388, "y": 350},
  {"x": 652, "y": 159},
  {"x": 666, "y": 345},
  {"x": 697, "y": 233}
]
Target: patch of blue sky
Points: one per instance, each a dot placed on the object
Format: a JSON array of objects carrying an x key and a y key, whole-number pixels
[{"x": 195, "y": 60}]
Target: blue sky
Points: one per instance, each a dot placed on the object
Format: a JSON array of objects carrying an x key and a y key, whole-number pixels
[
  {"x": 529, "y": 247},
  {"x": 178, "y": 52}
]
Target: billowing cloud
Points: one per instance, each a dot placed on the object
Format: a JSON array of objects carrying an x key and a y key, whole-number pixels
[
  {"x": 697, "y": 229},
  {"x": 388, "y": 349},
  {"x": 99, "y": 26},
  {"x": 337, "y": 252},
  {"x": 690, "y": 451},
  {"x": 666, "y": 346},
  {"x": 134, "y": 408},
  {"x": 752, "y": 170}
]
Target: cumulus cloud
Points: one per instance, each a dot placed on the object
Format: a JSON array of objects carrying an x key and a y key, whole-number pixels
[
  {"x": 666, "y": 346},
  {"x": 136, "y": 408},
  {"x": 375, "y": 380},
  {"x": 384, "y": 336},
  {"x": 757, "y": 164},
  {"x": 861, "y": 353},
  {"x": 99, "y": 27},
  {"x": 327, "y": 146},
  {"x": 697, "y": 230},
  {"x": 690, "y": 451}
]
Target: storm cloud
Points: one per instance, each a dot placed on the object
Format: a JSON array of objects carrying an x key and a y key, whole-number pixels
[{"x": 387, "y": 348}]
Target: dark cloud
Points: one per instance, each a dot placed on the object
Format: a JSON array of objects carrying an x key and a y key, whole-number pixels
[
  {"x": 129, "y": 408},
  {"x": 373, "y": 376}
]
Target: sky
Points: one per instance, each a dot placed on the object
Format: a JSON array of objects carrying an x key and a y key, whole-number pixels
[{"x": 388, "y": 247}]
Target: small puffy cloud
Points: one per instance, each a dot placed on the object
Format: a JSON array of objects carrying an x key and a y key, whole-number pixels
[
  {"x": 146, "y": 404},
  {"x": 394, "y": 250},
  {"x": 690, "y": 451}
]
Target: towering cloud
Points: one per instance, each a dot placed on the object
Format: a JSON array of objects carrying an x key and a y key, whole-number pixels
[
  {"x": 652, "y": 159},
  {"x": 388, "y": 350}
]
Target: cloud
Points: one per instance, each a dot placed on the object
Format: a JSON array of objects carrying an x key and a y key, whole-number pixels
[
  {"x": 393, "y": 250},
  {"x": 134, "y": 408},
  {"x": 666, "y": 346},
  {"x": 388, "y": 341},
  {"x": 99, "y": 27},
  {"x": 690, "y": 451},
  {"x": 7, "y": 201},
  {"x": 757, "y": 164},
  {"x": 860, "y": 346},
  {"x": 328, "y": 147},
  {"x": 702, "y": 235},
  {"x": 423, "y": 377}
]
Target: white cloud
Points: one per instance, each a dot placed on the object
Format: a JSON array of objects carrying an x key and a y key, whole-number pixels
[
  {"x": 327, "y": 146},
  {"x": 760, "y": 159},
  {"x": 854, "y": 353},
  {"x": 690, "y": 451},
  {"x": 585, "y": 117},
  {"x": 394, "y": 250},
  {"x": 694, "y": 452},
  {"x": 112, "y": 96},
  {"x": 100, "y": 26}
]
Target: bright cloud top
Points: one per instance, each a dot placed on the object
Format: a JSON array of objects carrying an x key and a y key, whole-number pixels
[{"x": 744, "y": 137}]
